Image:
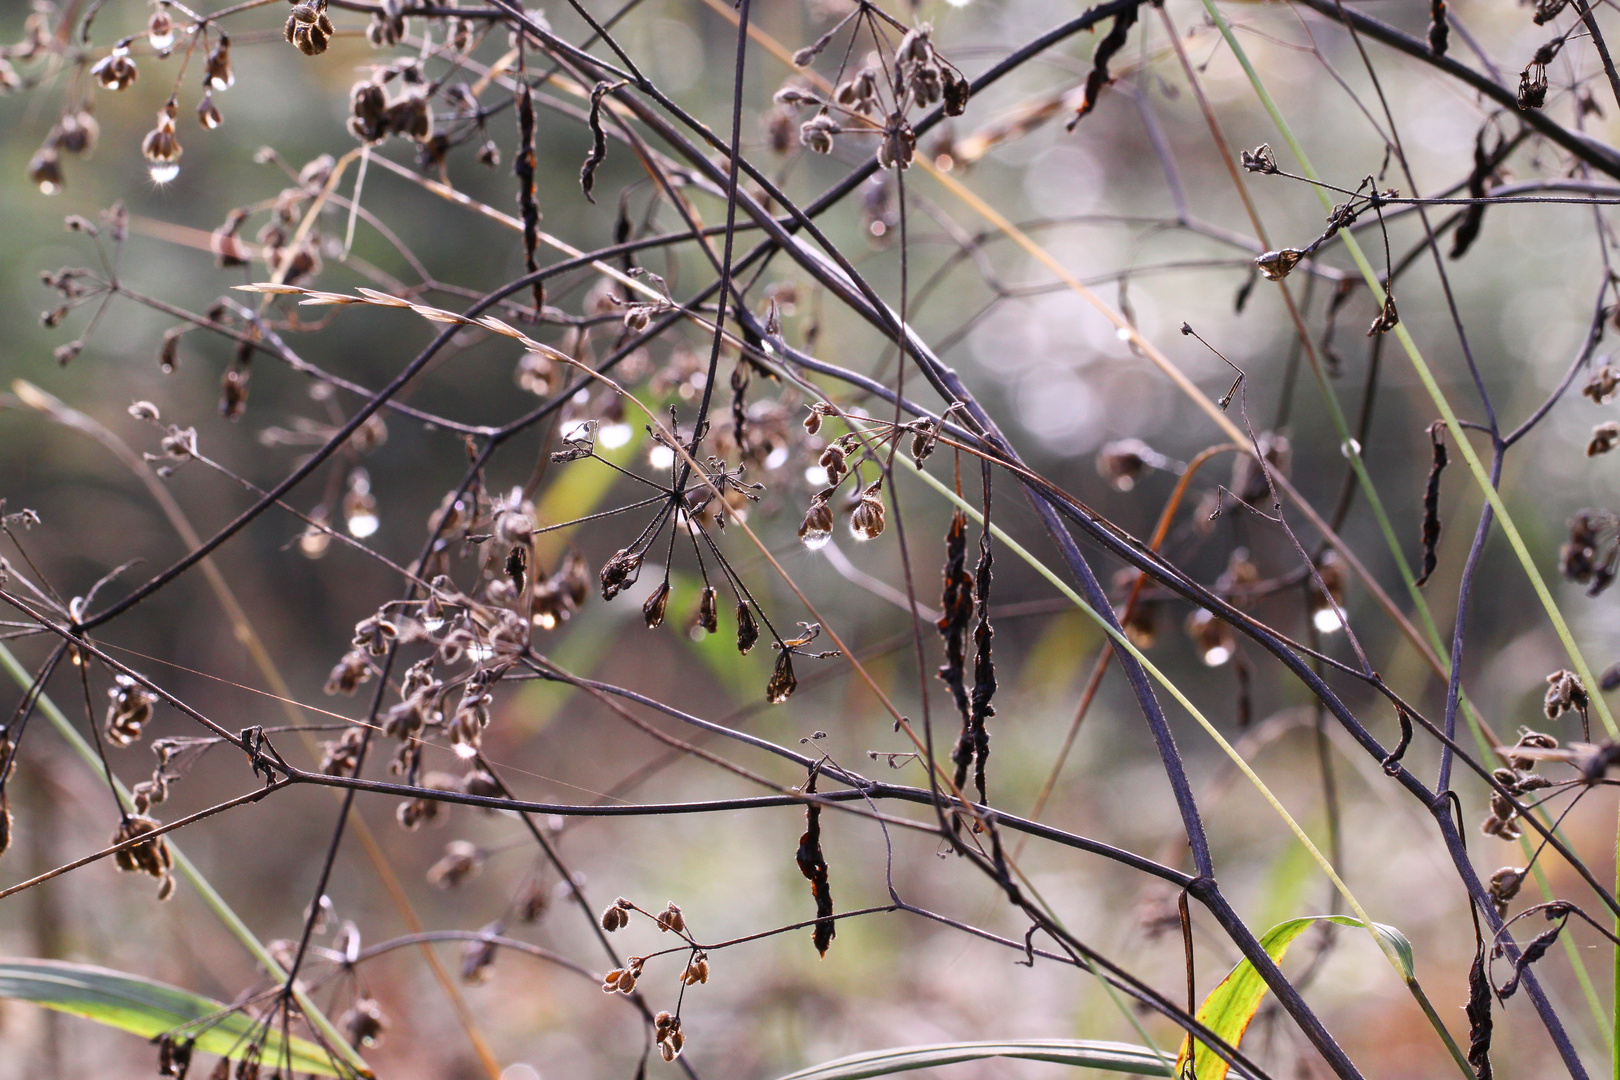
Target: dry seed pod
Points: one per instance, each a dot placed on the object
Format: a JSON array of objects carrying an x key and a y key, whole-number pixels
[
  {"x": 309, "y": 28},
  {"x": 697, "y": 970},
  {"x": 816, "y": 528},
  {"x": 363, "y": 1023},
  {"x": 129, "y": 711},
  {"x": 218, "y": 75},
  {"x": 620, "y": 572},
  {"x": 655, "y": 607},
  {"x": 747, "y": 628},
  {"x": 460, "y": 862},
  {"x": 1212, "y": 636},
  {"x": 1605, "y": 437},
  {"x": 160, "y": 31},
  {"x": 866, "y": 520},
  {"x": 45, "y": 171},
  {"x": 115, "y": 71},
  {"x": 1277, "y": 265},
  {"x": 708, "y": 614},
  {"x": 150, "y": 857},
  {"x": 161, "y": 147},
  {"x": 1603, "y": 384},
  {"x": 615, "y": 918},
  {"x": 76, "y": 132},
  {"x": 782, "y": 682},
  {"x": 671, "y": 919}
]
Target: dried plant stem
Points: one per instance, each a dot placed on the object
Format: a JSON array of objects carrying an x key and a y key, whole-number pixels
[
  {"x": 1124, "y": 643},
  {"x": 334, "y": 1039}
]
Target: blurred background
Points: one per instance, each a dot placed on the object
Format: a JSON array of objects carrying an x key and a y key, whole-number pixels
[{"x": 1136, "y": 203}]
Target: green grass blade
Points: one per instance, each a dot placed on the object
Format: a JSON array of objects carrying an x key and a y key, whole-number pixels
[
  {"x": 148, "y": 1008},
  {"x": 1083, "y": 1053}
]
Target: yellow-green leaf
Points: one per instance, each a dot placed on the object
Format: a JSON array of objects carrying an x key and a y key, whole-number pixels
[{"x": 1230, "y": 1007}]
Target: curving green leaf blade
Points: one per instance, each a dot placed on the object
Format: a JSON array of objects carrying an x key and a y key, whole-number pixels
[
  {"x": 148, "y": 1008},
  {"x": 1230, "y": 1007},
  {"x": 1088, "y": 1053}
]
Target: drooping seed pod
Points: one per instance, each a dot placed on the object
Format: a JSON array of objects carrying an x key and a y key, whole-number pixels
[
  {"x": 116, "y": 70},
  {"x": 129, "y": 711},
  {"x": 816, "y": 528},
  {"x": 655, "y": 607},
  {"x": 218, "y": 74},
  {"x": 747, "y": 628},
  {"x": 708, "y": 611},
  {"x": 866, "y": 521},
  {"x": 782, "y": 682},
  {"x": 160, "y": 31},
  {"x": 161, "y": 147}
]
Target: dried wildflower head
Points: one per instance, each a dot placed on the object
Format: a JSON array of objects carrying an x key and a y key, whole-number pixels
[
  {"x": 1605, "y": 437},
  {"x": 617, "y": 916},
  {"x": 1530, "y": 740},
  {"x": 414, "y": 813},
  {"x": 817, "y": 133},
  {"x": 866, "y": 520},
  {"x": 697, "y": 969},
  {"x": 1564, "y": 692},
  {"x": 129, "y": 711},
  {"x": 218, "y": 74},
  {"x": 1276, "y": 265},
  {"x": 1533, "y": 86},
  {"x": 151, "y": 857},
  {"x": 387, "y": 27},
  {"x": 341, "y": 756},
  {"x": 461, "y": 861},
  {"x": 349, "y": 673},
  {"x": 1505, "y": 886},
  {"x": 364, "y": 1022},
  {"x": 1590, "y": 554},
  {"x": 816, "y": 528},
  {"x": 671, "y": 918},
  {"x": 309, "y": 28},
  {"x": 116, "y": 70},
  {"x": 708, "y": 612},
  {"x": 747, "y": 628},
  {"x": 1213, "y": 637},
  {"x": 1325, "y": 607},
  {"x": 667, "y": 1033},
  {"x": 45, "y": 171},
  {"x": 1603, "y": 384},
  {"x": 1123, "y": 462},
  {"x": 623, "y": 980},
  {"x": 478, "y": 955},
  {"x": 783, "y": 682},
  {"x": 161, "y": 148},
  {"x": 76, "y": 132},
  {"x": 160, "y": 30},
  {"x": 620, "y": 572},
  {"x": 834, "y": 460}
]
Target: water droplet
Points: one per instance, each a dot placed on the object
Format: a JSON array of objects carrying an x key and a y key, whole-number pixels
[
  {"x": 49, "y": 187},
  {"x": 1327, "y": 621},
  {"x": 362, "y": 525},
  {"x": 163, "y": 172},
  {"x": 815, "y": 541},
  {"x": 1217, "y": 655}
]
